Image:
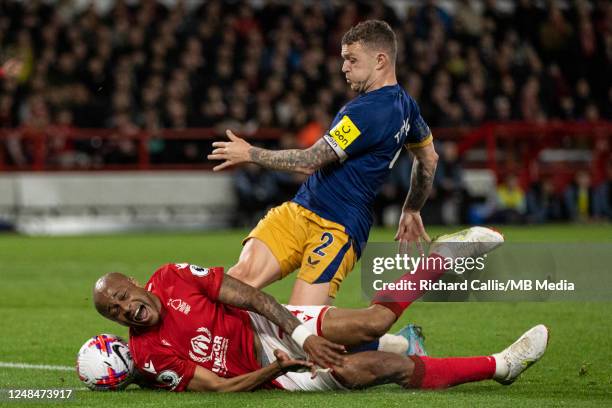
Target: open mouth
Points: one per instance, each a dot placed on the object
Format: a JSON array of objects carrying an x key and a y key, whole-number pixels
[{"x": 141, "y": 314}]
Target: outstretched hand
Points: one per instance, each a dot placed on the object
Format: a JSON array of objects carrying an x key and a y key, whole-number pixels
[
  {"x": 323, "y": 352},
  {"x": 411, "y": 230},
  {"x": 234, "y": 152},
  {"x": 287, "y": 363}
]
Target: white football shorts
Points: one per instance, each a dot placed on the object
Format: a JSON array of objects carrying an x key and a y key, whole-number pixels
[{"x": 272, "y": 338}]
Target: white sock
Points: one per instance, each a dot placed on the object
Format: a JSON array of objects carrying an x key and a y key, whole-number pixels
[
  {"x": 501, "y": 368},
  {"x": 393, "y": 344}
]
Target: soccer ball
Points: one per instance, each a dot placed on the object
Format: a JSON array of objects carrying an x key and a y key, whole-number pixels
[{"x": 104, "y": 363}]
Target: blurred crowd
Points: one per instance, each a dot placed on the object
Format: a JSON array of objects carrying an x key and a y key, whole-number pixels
[
  {"x": 144, "y": 66},
  {"x": 545, "y": 197}
]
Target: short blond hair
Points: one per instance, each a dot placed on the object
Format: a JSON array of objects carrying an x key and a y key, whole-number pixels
[{"x": 374, "y": 34}]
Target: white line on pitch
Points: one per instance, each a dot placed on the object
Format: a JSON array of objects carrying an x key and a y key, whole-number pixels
[{"x": 36, "y": 366}]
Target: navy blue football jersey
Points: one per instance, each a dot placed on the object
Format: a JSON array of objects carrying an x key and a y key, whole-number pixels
[{"x": 367, "y": 134}]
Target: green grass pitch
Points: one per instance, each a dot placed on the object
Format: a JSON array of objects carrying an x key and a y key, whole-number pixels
[{"x": 46, "y": 312}]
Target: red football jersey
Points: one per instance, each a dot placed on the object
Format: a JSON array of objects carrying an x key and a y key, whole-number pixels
[{"x": 194, "y": 329}]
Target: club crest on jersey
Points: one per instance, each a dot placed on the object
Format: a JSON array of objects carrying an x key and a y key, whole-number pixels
[
  {"x": 205, "y": 348},
  {"x": 179, "y": 305},
  {"x": 198, "y": 270},
  {"x": 169, "y": 378}
]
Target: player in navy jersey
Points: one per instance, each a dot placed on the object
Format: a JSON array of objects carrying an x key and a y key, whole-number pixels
[{"x": 323, "y": 230}]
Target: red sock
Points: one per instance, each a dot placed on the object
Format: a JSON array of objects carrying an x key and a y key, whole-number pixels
[
  {"x": 432, "y": 373},
  {"x": 398, "y": 301}
]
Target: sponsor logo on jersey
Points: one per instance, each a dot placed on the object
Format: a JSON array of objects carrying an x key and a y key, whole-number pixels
[
  {"x": 313, "y": 262},
  {"x": 205, "y": 348},
  {"x": 403, "y": 132},
  {"x": 299, "y": 314},
  {"x": 200, "y": 345},
  {"x": 198, "y": 270},
  {"x": 169, "y": 379},
  {"x": 179, "y": 305},
  {"x": 332, "y": 142},
  {"x": 345, "y": 132},
  {"x": 405, "y": 128}
]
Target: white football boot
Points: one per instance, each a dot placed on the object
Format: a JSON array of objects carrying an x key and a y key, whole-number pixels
[
  {"x": 520, "y": 355},
  {"x": 470, "y": 242}
]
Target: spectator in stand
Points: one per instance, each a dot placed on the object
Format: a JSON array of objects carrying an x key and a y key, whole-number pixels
[
  {"x": 468, "y": 21},
  {"x": 121, "y": 148},
  {"x": 602, "y": 197},
  {"x": 430, "y": 16},
  {"x": 578, "y": 197},
  {"x": 602, "y": 157},
  {"x": 510, "y": 206},
  {"x": 449, "y": 186},
  {"x": 544, "y": 204},
  {"x": 317, "y": 126},
  {"x": 6, "y": 114},
  {"x": 11, "y": 68},
  {"x": 23, "y": 142},
  {"x": 256, "y": 188},
  {"x": 60, "y": 148},
  {"x": 214, "y": 108},
  {"x": 151, "y": 124}
]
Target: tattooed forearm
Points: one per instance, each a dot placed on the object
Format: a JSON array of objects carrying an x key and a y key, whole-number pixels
[
  {"x": 235, "y": 293},
  {"x": 420, "y": 184},
  {"x": 301, "y": 161}
]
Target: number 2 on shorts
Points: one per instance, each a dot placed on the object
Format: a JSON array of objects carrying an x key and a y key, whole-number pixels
[{"x": 327, "y": 239}]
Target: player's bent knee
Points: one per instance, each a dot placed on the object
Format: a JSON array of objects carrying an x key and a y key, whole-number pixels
[{"x": 374, "y": 329}]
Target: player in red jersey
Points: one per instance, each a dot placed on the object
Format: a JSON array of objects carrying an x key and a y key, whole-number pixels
[{"x": 197, "y": 329}]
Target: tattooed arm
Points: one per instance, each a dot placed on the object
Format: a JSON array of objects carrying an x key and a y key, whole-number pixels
[
  {"x": 423, "y": 170},
  {"x": 410, "y": 227},
  {"x": 234, "y": 292},
  {"x": 238, "y": 294},
  {"x": 305, "y": 161}
]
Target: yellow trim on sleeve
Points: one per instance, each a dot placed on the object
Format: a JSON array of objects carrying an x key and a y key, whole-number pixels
[{"x": 425, "y": 142}]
